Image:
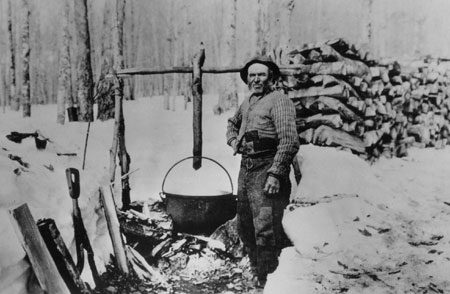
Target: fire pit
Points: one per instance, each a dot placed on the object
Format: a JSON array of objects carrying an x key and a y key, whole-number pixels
[{"x": 199, "y": 214}]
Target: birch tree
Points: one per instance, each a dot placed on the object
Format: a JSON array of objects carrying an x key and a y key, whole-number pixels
[
  {"x": 26, "y": 98},
  {"x": 228, "y": 88},
  {"x": 104, "y": 88},
  {"x": 124, "y": 157},
  {"x": 84, "y": 67},
  {"x": 13, "y": 98},
  {"x": 65, "y": 77}
]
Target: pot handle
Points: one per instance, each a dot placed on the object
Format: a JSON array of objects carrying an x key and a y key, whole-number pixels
[
  {"x": 190, "y": 157},
  {"x": 162, "y": 196}
]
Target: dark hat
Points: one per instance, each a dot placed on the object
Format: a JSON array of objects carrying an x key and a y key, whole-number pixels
[{"x": 266, "y": 60}]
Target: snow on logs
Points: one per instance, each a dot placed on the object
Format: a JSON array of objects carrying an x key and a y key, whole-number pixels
[{"x": 343, "y": 98}]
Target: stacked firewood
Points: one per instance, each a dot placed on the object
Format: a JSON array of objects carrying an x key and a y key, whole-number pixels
[{"x": 344, "y": 98}]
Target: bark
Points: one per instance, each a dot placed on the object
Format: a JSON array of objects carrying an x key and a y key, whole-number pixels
[
  {"x": 130, "y": 49},
  {"x": 118, "y": 145},
  {"x": 262, "y": 27},
  {"x": 124, "y": 157},
  {"x": 104, "y": 94},
  {"x": 26, "y": 98},
  {"x": 61, "y": 255},
  {"x": 65, "y": 77},
  {"x": 13, "y": 98},
  {"x": 228, "y": 97},
  {"x": 285, "y": 22},
  {"x": 118, "y": 34},
  {"x": 37, "y": 74},
  {"x": 197, "y": 91},
  {"x": 84, "y": 67},
  {"x": 3, "y": 93}
]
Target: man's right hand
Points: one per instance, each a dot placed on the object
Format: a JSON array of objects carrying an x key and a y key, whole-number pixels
[{"x": 235, "y": 146}]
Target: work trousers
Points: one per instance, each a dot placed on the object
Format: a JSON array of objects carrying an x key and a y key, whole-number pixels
[{"x": 259, "y": 216}]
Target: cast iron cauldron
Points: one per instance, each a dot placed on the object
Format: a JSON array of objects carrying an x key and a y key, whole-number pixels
[{"x": 199, "y": 214}]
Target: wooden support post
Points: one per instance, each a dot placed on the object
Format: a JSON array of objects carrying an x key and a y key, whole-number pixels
[
  {"x": 118, "y": 146},
  {"x": 114, "y": 230},
  {"x": 43, "y": 265},
  {"x": 61, "y": 256},
  {"x": 197, "y": 91}
]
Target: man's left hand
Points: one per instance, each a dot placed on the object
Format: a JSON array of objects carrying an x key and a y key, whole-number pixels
[{"x": 272, "y": 186}]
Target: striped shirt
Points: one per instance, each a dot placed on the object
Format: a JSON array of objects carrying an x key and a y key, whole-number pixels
[{"x": 272, "y": 116}]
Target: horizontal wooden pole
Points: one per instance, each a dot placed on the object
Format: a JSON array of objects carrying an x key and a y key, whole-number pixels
[{"x": 285, "y": 70}]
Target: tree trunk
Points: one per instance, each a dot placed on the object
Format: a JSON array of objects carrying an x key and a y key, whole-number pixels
[
  {"x": 13, "y": 98},
  {"x": 84, "y": 68},
  {"x": 26, "y": 98},
  {"x": 130, "y": 49},
  {"x": 228, "y": 97},
  {"x": 262, "y": 27},
  {"x": 65, "y": 78},
  {"x": 124, "y": 157},
  {"x": 104, "y": 89},
  {"x": 37, "y": 75},
  {"x": 118, "y": 34}
]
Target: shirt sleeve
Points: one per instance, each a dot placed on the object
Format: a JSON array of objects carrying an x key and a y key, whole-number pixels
[
  {"x": 283, "y": 114},
  {"x": 234, "y": 124}
]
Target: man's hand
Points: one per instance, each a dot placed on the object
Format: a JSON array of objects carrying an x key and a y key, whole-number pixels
[
  {"x": 272, "y": 186},
  {"x": 235, "y": 146}
]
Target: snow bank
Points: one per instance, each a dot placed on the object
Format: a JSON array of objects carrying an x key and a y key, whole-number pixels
[
  {"x": 353, "y": 230},
  {"x": 43, "y": 186},
  {"x": 156, "y": 139}
]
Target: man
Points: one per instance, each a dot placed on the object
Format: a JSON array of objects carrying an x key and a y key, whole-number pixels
[{"x": 263, "y": 131}]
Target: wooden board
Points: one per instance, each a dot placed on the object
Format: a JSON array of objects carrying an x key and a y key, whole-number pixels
[{"x": 43, "y": 265}]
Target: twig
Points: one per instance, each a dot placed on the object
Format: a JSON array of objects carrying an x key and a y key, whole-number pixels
[
  {"x": 85, "y": 144},
  {"x": 125, "y": 175}
]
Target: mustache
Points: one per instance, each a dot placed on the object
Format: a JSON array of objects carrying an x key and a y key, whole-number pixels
[{"x": 259, "y": 83}]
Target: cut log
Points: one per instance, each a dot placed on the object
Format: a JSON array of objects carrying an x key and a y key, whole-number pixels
[
  {"x": 197, "y": 91},
  {"x": 143, "y": 269},
  {"x": 306, "y": 136},
  {"x": 331, "y": 103},
  {"x": 114, "y": 230},
  {"x": 338, "y": 91},
  {"x": 331, "y": 120},
  {"x": 325, "y": 135},
  {"x": 43, "y": 265},
  {"x": 61, "y": 256}
]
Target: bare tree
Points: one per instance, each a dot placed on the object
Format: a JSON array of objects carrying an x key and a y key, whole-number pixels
[
  {"x": 65, "y": 78},
  {"x": 262, "y": 27},
  {"x": 84, "y": 67},
  {"x": 228, "y": 97},
  {"x": 104, "y": 88},
  {"x": 14, "y": 100},
  {"x": 26, "y": 98},
  {"x": 124, "y": 157},
  {"x": 130, "y": 45}
]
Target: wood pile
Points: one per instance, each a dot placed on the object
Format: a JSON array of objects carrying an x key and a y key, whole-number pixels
[{"x": 343, "y": 98}]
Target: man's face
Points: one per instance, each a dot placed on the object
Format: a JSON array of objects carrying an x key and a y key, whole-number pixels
[{"x": 258, "y": 78}]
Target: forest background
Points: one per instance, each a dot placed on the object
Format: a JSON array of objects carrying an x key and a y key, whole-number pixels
[{"x": 166, "y": 33}]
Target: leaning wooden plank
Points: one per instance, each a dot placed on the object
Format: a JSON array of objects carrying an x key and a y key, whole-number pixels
[
  {"x": 61, "y": 255},
  {"x": 114, "y": 230},
  {"x": 43, "y": 265},
  {"x": 325, "y": 135}
]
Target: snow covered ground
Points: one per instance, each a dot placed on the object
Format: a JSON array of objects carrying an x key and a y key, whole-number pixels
[{"x": 356, "y": 228}]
